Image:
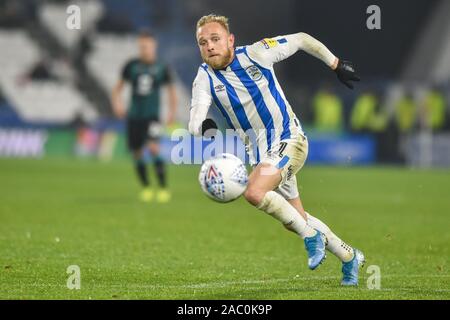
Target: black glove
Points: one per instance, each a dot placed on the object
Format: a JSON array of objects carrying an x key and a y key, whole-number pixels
[
  {"x": 346, "y": 73},
  {"x": 209, "y": 127}
]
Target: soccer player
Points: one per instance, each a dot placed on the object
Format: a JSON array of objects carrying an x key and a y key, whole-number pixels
[
  {"x": 242, "y": 83},
  {"x": 146, "y": 75}
]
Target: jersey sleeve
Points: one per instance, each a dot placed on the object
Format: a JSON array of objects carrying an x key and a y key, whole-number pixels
[
  {"x": 200, "y": 103},
  {"x": 272, "y": 50},
  {"x": 126, "y": 71}
]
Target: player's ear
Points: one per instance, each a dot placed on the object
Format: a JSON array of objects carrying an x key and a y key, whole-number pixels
[{"x": 231, "y": 40}]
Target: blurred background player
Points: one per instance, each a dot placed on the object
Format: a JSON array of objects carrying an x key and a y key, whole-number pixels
[{"x": 146, "y": 74}]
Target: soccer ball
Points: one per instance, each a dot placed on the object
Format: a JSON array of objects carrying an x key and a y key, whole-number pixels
[{"x": 223, "y": 178}]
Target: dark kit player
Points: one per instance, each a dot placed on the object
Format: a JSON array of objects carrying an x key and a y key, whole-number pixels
[{"x": 147, "y": 75}]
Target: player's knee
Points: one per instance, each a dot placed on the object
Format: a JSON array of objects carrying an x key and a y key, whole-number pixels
[{"x": 254, "y": 195}]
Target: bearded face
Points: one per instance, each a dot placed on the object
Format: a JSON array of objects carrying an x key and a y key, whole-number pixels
[
  {"x": 218, "y": 60},
  {"x": 216, "y": 45}
]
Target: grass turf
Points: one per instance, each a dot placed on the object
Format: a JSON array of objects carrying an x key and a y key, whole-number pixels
[{"x": 60, "y": 212}]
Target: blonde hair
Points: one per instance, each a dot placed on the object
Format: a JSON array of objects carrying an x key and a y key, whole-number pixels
[{"x": 222, "y": 20}]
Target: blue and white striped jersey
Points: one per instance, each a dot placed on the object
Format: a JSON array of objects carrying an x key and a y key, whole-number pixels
[{"x": 248, "y": 94}]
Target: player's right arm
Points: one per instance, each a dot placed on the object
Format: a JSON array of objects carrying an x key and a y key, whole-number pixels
[
  {"x": 200, "y": 103},
  {"x": 118, "y": 105}
]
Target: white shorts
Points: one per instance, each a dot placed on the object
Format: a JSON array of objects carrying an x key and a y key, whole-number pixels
[{"x": 288, "y": 155}]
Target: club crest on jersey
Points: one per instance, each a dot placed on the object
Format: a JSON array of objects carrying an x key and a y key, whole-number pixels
[{"x": 254, "y": 73}]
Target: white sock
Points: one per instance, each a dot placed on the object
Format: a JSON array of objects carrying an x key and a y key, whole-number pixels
[
  {"x": 278, "y": 207},
  {"x": 335, "y": 245}
]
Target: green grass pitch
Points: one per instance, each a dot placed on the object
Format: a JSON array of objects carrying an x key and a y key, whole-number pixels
[{"x": 60, "y": 212}]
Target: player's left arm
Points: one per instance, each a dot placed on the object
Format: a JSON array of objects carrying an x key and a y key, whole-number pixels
[
  {"x": 169, "y": 79},
  {"x": 272, "y": 50},
  {"x": 343, "y": 69}
]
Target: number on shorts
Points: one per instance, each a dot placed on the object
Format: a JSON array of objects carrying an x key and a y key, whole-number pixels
[{"x": 283, "y": 146}]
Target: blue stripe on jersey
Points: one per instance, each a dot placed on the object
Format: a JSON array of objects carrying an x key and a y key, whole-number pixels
[
  {"x": 282, "y": 40},
  {"x": 286, "y": 134},
  {"x": 236, "y": 105},
  {"x": 216, "y": 100},
  {"x": 235, "y": 102},
  {"x": 258, "y": 100}
]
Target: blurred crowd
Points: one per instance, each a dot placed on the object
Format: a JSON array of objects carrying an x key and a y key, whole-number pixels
[
  {"x": 372, "y": 111},
  {"x": 388, "y": 114}
]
